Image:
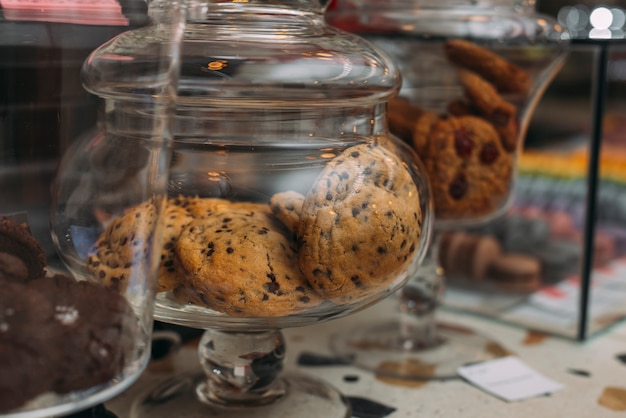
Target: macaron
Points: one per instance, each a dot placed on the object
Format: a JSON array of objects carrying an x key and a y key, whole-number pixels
[
  {"x": 449, "y": 254},
  {"x": 515, "y": 272},
  {"x": 468, "y": 256}
]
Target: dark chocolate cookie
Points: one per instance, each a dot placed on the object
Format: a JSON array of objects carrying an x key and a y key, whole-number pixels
[
  {"x": 21, "y": 255},
  {"x": 96, "y": 327},
  {"x": 28, "y": 362}
]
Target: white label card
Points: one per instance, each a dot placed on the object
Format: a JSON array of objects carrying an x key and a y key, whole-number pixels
[{"x": 508, "y": 378}]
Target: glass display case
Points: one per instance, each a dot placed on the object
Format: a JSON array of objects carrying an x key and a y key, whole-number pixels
[
  {"x": 67, "y": 342},
  {"x": 473, "y": 73},
  {"x": 559, "y": 241},
  {"x": 568, "y": 207},
  {"x": 281, "y": 124},
  {"x": 240, "y": 178}
]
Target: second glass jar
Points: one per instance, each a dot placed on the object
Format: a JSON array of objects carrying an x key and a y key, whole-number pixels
[{"x": 472, "y": 75}]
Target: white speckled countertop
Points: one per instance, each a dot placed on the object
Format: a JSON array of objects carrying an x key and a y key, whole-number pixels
[{"x": 585, "y": 370}]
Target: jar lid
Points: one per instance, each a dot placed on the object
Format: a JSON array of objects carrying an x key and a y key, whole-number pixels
[
  {"x": 500, "y": 21},
  {"x": 259, "y": 53}
]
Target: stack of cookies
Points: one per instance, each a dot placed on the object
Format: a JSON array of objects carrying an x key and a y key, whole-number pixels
[
  {"x": 478, "y": 259},
  {"x": 56, "y": 334},
  {"x": 354, "y": 234},
  {"x": 468, "y": 149}
]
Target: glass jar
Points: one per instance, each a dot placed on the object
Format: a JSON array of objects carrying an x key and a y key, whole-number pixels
[
  {"x": 473, "y": 73},
  {"x": 68, "y": 339},
  {"x": 289, "y": 202}
]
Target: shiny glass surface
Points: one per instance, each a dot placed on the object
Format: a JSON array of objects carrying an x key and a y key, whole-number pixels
[
  {"x": 77, "y": 335},
  {"x": 289, "y": 203}
]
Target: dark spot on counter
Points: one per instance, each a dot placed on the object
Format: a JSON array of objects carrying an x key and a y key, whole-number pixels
[
  {"x": 308, "y": 359},
  {"x": 366, "y": 408},
  {"x": 578, "y": 372}
]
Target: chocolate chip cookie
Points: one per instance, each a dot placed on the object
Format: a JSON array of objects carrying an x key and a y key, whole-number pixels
[
  {"x": 360, "y": 223},
  {"x": 286, "y": 206},
  {"x": 199, "y": 207},
  {"x": 125, "y": 243},
  {"x": 177, "y": 216},
  {"x": 241, "y": 261}
]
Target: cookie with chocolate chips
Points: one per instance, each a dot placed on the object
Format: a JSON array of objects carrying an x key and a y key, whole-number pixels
[
  {"x": 286, "y": 206},
  {"x": 240, "y": 260},
  {"x": 360, "y": 223},
  {"x": 177, "y": 216},
  {"x": 125, "y": 243},
  {"x": 200, "y": 207}
]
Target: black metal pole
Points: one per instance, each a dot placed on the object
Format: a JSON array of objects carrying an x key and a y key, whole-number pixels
[{"x": 597, "y": 112}]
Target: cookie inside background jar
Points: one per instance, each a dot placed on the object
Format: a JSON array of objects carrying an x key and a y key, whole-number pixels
[
  {"x": 350, "y": 236},
  {"x": 469, "y": 181}
]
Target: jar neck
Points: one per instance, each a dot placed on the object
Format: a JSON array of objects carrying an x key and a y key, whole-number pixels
[
  {"x": 440, "y": 10},
  {"x": 256, "y": 126},
  {"x": 199, "y": 10},
  {"x": 500, "y": 21},
  {"x": 444, "y": 5}
]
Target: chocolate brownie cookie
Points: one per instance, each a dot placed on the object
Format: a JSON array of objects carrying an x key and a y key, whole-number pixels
[
  {"x": 126, "y": 242},
  {"x": 97, "y": 327},
  {"x": 286, "y": 206},
  {"x": 470, "y": 171},
  {"x": 62, "y": 335},
  {"x": 27, "y": 327},
  {"x": 20, "y": 380},
  {"x": 241, "y": 261},
  {"x": 21, "y": 255},
  {"x": 504, "y": 75},
  {"x": 360, "y": 223}
]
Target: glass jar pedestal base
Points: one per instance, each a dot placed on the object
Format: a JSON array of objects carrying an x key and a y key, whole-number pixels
[
  {"x": 382, "y": 350},
  {"x": 415, "y": 345},
  {"x": 241, "y": 379}
]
